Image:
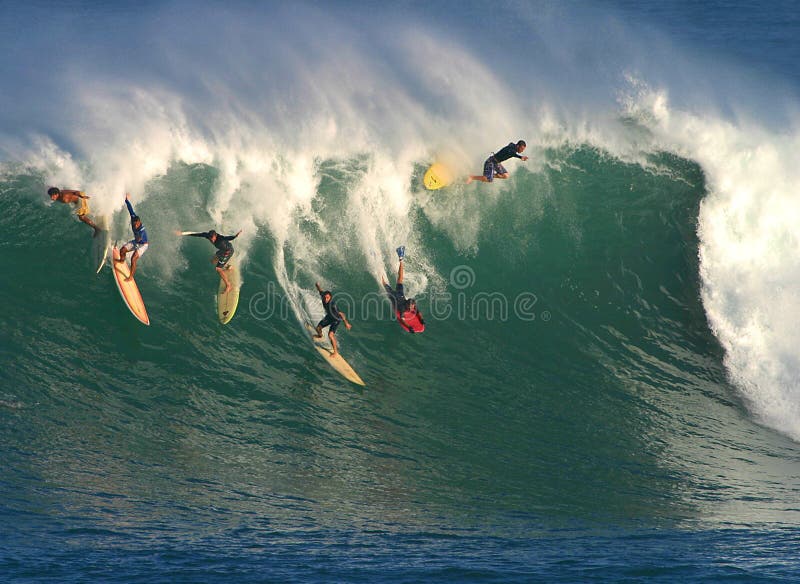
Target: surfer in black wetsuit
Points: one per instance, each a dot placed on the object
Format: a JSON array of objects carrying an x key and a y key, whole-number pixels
[
  {"x": 493, "y": 167},
  {"x": 333, "y": 316},
  {"x": 224, "y": 251},
  {"x": 408, "y": 315}
]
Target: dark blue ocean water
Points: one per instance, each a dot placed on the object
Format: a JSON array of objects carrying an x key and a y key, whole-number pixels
[{"x": 606, "y": 387}]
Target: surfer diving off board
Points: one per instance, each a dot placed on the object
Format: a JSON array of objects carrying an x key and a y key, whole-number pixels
[
  {"x": 224, "y": 251},
  {"x": 493, "y": 167},
  {"x": 77, "y": 198},
  {"x": 406, "y": 311},
  {"x": 138, "y": 245},
  {"x": 333, "y": 316}
]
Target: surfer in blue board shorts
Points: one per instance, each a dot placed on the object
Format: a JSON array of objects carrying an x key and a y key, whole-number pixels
[
  {"x": 408, "y": 315},
  {"x": 138, "y": 245},
  {"x": 493, "y": 167},
  {"x": 333, "y": 316},
  {"x": 224, "y": 251}
]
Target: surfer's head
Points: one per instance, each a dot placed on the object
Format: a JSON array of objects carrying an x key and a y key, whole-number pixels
[
  {"x": 53, "y": 192},
  {"x": 212, "y": 235},
  {"x": 326, "y": 295},
  {"x": 521, "y": 145},
  {"x": 136, "y": 222},
  {"x": 412, "y": 305}
]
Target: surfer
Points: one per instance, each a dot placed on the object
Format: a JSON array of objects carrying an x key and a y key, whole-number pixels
[
  {"x": 493, "y": 167},
  {"x": 333, "y": 316},
  {"x": 77, "y": 198},
  {"x": 408, "y": 315},
  {"x": 138, "y": 245},
  {"x": 224, "y": 251}
]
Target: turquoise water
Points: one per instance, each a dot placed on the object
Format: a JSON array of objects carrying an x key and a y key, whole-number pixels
[{"x": 587, "y": 402}]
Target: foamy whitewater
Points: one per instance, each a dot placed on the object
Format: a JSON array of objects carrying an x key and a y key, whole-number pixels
[{"x": 380, "y": 93}]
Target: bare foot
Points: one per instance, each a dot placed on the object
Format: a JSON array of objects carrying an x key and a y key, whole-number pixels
[
  {"x": 319, "y": 336},
  {"x": 228, "y": 288},
  {"x": 129, "y": 278},
  {"x": 469, "y": 179}
]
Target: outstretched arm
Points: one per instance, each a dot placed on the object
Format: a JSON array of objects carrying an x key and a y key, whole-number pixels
[
  {"x": 345, "y": 321},
  {"x": 128, "y": 204},
  {"x": 319, "y": 289}
]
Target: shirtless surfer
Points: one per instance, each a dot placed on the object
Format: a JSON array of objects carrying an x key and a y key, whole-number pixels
[{"x": 77, "y": 198}]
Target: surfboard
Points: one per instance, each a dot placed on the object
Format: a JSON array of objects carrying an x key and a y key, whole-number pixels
[
  {"x": 437, "y": 177},
  {"x": 324, "y": 348},
  {"x": 128, "y": 289},
  {"x": 101, "y": 244},
  {"x": 228, "y": 301}
]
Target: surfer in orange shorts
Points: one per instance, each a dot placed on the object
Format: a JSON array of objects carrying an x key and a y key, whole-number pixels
[{"x": 77, "y": 198}]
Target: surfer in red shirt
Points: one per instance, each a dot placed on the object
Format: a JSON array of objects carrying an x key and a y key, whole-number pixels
[{"x": 406, "y": 311}]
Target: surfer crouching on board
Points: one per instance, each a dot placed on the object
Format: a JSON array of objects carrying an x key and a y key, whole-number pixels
[
  {"x": 493, "y": 167},
  {"x": 77, "y": 198},
  {"x": 333, "y": 316},
  {"x": 224, "y": 251},
  {"x": 138, "y": 245},
  {"x": 406, "y": 311}
]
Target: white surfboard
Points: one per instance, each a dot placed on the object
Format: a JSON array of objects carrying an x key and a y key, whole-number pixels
[{"x": 323, "y": 346}]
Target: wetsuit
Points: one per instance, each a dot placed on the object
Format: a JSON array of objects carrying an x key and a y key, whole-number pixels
[
  {"x": 332, "y": 316},
  {"x": 493, "y": 164},
  {"x": 139, "y": 242},
  {"x": 223, "y": 244}
]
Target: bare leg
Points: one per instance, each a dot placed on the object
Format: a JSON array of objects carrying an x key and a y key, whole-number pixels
[
  {"x": 122, "y": 253},
  {"x": 85, "y": 219},
  {"x": 335, "y": 346},
  {"x": 478, "y": 177},
  {"x": 224, "y": 277},
  {"x": 319, "y": 332},
  {"x": 400, "y": 273},
  {"x": 134, "y": 259}
]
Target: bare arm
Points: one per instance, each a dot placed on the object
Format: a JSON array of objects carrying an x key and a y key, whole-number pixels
[
  {"x": 318, "y": 287},
  {"x": 344, "y": 320}
]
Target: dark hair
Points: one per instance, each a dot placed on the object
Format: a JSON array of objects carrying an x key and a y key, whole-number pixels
[
  {"x": 211, "y": 233},
  {"x": 53, "y": 191},
  {"x": 521, "y": 143},
  {"x": 328, "y": 292},
  {"x": 134, "y": 219}
]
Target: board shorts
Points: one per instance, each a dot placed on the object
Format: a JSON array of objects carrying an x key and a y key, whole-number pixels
[
  {"x": 397, "y": 296},
  {"x": 491, "y": 167},
  {"x": 223, "y": 257},
  {"x": 133, "y": 246},
  {"x": 329, "y": 321},
  {"x": 83, "y": 209}
]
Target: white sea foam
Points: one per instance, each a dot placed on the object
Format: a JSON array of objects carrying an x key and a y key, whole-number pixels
[{"x": 270, "y": 94}]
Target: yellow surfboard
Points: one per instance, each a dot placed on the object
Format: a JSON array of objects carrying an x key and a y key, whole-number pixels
[
  {"x": 437, "y": 177},
  {"x": 337, "y": 362},
  {"x": 228, "y": 301},
  {"x": 128, "y": 288}
]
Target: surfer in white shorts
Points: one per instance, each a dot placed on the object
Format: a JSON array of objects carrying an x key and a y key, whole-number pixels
[{"x": 138, "y": 245}]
